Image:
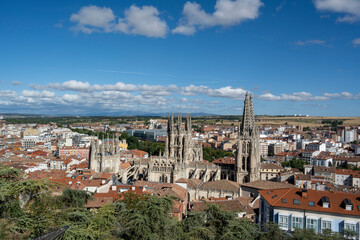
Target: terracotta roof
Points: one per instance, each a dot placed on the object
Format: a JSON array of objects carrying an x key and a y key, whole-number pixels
[
  {"x": 223, "y": 185},
  {"x": 302, "y": 177},
  {"x": 125, "y": 165},
  {"x": 226, "y": 160},
  {"x": 262, "y": 184},
  {"x": 146, "y": 184},
  {"x": 194, "y": 183},
  {"x": 274, "y": 198},
  {"x": 182, "y": 180},
  {"x": 344, "y": 171},
  {"x": 347, "y": 159},
  {"x": 324, "y": 169},
  {"x": 169, "y": 189}
]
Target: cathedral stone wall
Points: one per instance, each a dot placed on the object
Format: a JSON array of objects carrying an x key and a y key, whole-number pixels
[{"x": 183, "y": 157}]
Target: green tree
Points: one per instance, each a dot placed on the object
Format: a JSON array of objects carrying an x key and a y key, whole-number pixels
[{"x": 74, "y": 198}]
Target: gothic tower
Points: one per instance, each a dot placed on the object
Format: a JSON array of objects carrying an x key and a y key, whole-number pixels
[
  {"x": 179, "y": 144},
  {"x": 247, "y": 162}
]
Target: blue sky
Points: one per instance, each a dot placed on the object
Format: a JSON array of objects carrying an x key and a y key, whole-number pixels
[{"x": 89, "y": 57}]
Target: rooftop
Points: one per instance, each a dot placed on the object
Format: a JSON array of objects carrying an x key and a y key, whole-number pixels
[{"x": 312, "y": 201}]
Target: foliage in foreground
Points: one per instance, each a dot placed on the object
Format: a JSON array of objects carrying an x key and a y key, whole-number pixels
[{"x": 29, "y": 210}]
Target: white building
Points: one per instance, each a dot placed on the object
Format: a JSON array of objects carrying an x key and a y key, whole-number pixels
[
  {"x": 316, "y": 147},
  {"x": 311, "y": 209},
  {"x": 29, "y": 141}
]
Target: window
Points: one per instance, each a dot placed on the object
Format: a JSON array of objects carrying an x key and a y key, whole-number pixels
[
  {"x": 283, "y": 222},
  {"x": 283, "y": 200},
  {"x": 350, "y": 226},
  {"x": 311, "y": 203},
  {"x": 297, "y": 222},
  {"x": 312, "y": 224},
  {"x": 325, "y": 224},
  {"x": 296, "y": 201}
]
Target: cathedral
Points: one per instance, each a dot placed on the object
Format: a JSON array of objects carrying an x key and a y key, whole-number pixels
[
  {"x": 183, "y": 157},
  {"x": 104, "y": 157},
  {"x": 247, "y": 163}
]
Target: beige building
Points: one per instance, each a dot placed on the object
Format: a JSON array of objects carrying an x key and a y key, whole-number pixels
[
  {"x": 30, "y": 132},
  {"x": 214, "y": 189},
  {"x": 270, "y": 171}
]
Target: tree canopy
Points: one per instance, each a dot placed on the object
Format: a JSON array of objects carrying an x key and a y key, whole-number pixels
[{"x": 135, "y": 217}]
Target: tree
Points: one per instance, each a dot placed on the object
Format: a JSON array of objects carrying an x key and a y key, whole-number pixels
[
  {"x": 74, "y": 198},
  {"x": 147, "y": 217},
  {"x": 272, "y": 231}
]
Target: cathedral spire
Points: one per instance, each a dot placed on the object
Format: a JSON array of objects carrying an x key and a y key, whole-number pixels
[
  {"x": 172, "y": 121},
  {"x": 248, "y": 122},
  {"x": 179, "y": 122}
]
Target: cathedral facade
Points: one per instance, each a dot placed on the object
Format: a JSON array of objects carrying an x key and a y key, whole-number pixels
[
  {"x": 247, "y": 163},
  {"x": 183, "y": 157}
]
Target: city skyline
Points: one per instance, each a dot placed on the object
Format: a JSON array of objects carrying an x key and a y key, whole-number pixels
[{"x": 296, "y": 57}]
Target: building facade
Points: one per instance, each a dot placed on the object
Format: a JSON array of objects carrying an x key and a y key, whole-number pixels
[
  {"x": 183, "y": 156},
  {"x": 247, "y": 162},
  {"x": 311, "y": 209}
]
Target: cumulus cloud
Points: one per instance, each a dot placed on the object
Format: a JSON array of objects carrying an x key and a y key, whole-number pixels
[
  {"x": 350, "y": 9},
  {"x": 74, "y": 96},
  {"x": 305, "y": 96},
  {"x": 7, "y": 93},
  {"x": 225, "y": 92},
  {"x": 312, "y": 42},
  {"x": 16, "y": 83},
  {"x": 38, "y": 94},
  {"x": 227, "y": 13},
  {"x": 143, "y": 21},
  {"x": 343, "y": 95},
  {"x": 269, "y": 96},
  {"x": 92, "y": 18},
  {"x": 356, "y": 42}
]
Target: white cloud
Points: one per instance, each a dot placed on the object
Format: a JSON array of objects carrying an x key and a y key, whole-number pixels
[
  {"x": 38, "y": 94},
  {"x": 227, "y": 13},
  {"x": 70, "y": 97},
  {"x": 312, "y": 42},
  {"x": 305, "y": 96},
  {"x": 225, "y": 92},
  {"x": 343, "y": 95},
  {"x": 76, "y": 85},
  {"x": 302, "y": 96},
  {"x": 185, "y": 30},
  {"x": 269, "y": 96},
  {"x": 351, "y": 8},
  {"x": 7, "y": 93},
  {"x": 93, "y": 18},
  {"x": 356, "y": 42},
  {"x": 143, "y": 20},
  {"x": 16, "y": 83}
]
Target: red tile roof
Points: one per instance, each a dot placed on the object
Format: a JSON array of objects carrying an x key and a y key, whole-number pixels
[{"x": 274, "y": 198}]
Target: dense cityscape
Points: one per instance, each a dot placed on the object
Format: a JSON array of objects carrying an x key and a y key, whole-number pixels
[
  {"x": 298, "y": 179},
  {"x": 184, "y": 120}
]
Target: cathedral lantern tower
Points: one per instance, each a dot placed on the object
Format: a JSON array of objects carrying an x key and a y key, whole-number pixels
[{"x": 247, "y": 162}]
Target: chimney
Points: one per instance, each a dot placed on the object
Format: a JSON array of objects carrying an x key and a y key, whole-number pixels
[{"x": 304, "y": 193}]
